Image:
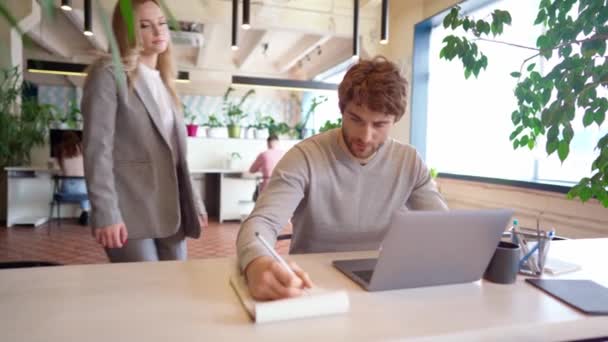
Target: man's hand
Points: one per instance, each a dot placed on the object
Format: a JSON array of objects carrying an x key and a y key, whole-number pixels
[
  {"x": 203, "y": 220},
  {"x": 112, "y": 236},
  {"x": 268, "y": 280}
]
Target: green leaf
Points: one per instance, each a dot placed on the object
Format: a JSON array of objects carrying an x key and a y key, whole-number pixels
[
  {"x": 531, "y": 66},
  {"x": 126, "y": 9},
  {"x": 568, "y": 132},
  {"x": 585, "y": 194},
  {"x": 563, "y": 150},
  {"x": 515, "y": 74},
  {"x": 599, "y": 117},
  {"x": 531, "y": 144},
  {"x": 119, "y": 72},
  {"x": 551, "y": 147},
  {"x": 540, "y": 18},
  {"x": 515, "y": 118},
  {"x": 167, "y": 11},
  {"x": 588, "y": 118}
]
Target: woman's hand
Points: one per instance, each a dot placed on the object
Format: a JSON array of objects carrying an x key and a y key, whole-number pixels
[{"x": 112, "y": 236}]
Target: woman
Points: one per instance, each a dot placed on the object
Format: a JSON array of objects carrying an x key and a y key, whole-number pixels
[
  {"x": 143, "y": 204},
  {"x": 69, "y": 156}
]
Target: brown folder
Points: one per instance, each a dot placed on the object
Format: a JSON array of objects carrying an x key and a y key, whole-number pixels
[{"x": 584, "y": 295}]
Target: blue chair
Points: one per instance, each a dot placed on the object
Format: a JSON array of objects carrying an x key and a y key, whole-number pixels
[{"x": 62, "y": 197}]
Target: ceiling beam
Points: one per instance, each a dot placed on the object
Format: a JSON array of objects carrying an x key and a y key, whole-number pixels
[
  {"x": 98, "y": 40},
  {"x": 300, "y": 49},
  {"x": 319, "y": 18},
  {"x": 53, "y": 46},
  {"x": 251, "y": 40}
]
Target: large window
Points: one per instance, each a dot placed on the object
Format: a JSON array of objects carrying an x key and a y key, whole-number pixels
[
  {"x": 327, "y": 111},
  {"x": 468, "y": 122}
]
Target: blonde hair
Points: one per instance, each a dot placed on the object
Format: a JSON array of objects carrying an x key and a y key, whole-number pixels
[{"x": 130, "y": 51}]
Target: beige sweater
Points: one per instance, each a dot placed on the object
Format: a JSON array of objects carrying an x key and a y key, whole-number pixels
[{"x": 337, "y": 204}]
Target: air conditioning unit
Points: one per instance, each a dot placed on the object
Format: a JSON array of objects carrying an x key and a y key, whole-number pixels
[{"x": 193, "y": 39}]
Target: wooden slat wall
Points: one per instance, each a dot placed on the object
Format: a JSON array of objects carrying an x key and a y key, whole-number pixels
[{"x": 570, "y": 218}]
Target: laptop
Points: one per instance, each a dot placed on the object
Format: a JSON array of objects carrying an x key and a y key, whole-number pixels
[{"x": 427, "y": 248}]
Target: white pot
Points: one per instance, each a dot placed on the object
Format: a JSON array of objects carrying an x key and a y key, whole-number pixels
[
  {"x": 261, "y": 133},
  {"x": 250, "y": 133}
]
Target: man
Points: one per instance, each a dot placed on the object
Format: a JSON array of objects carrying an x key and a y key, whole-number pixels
[
  {"x": 342, "y": 186},
  {"x": 267, "y": 160}
]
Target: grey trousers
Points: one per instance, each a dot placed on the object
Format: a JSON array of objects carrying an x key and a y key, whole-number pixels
[{"x": 169, "y": 248}]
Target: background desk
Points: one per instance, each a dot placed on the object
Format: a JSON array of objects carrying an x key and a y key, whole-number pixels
[
  {"x": 192, "y": 301},
  {"x": 29, "y": 194},
  {"x": 30, "y": 191},
  {"x": 223, "y": 191}
]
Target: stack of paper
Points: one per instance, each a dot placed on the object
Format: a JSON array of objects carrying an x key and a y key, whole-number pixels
[
  {"x": 557, "y": 267},
  {"x": 316, "y": 302}
]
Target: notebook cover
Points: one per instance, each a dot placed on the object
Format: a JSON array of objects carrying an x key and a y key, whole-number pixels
[{"x": 584, "y": 295}]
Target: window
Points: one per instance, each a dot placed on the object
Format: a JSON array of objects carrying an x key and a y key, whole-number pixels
[
  {"x": 468, "y": 122},
  {"x": 329, "y": 110}
]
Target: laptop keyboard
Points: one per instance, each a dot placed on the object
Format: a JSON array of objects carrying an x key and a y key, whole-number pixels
[{"x": 365, "y": 275}]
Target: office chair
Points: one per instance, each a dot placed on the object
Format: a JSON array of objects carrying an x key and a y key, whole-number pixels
[{"x": 62, "y": 197}]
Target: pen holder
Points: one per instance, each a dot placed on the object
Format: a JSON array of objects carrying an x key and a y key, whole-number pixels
[{"x": 534, "y": 245}]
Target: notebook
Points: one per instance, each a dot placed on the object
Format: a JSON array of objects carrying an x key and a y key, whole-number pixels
[
  {"x": 316, "y": 302},
  {"x": 584, "y": 295}
]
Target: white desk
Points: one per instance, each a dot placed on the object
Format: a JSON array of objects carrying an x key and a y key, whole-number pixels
[
  {"x": 30, "y": 190},
  {"x": 192, "y": 301},
  {"x": 28, "y": 196},
  {"x": 224, "y": 190}
]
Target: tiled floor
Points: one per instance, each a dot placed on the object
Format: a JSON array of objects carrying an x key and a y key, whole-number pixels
[{"x": 73, "y": 244}]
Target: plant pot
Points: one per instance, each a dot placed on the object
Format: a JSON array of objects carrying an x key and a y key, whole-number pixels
[
  {"x": 261, "y": 133},
  {"x": 234, "y": 131},
  {"x": 250, "y": 133},
  {"x": 191, "y": 129}
]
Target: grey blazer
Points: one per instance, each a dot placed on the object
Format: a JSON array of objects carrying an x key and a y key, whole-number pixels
[{"x": 129, "y": 165}]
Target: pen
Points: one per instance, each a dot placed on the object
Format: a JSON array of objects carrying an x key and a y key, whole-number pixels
[{"x": 274, "y": 254}]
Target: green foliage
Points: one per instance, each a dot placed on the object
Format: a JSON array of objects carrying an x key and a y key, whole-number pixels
[
  {"x": 214, "y": 122},
  {"x": 331, "y": 125},
  {"x": 23, "y": 122},
  {"x": 189, "y": 116},
  {"x": 301, "y": 126},
  {"x": 71, "y": 118},
  {"x": 546, "y": 104},
  {"x": 234, "y": 112},
  {"x": 274, "y": 127}
]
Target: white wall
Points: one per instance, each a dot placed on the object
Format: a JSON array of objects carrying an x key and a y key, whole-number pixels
[{"x": 212, "y": 153}]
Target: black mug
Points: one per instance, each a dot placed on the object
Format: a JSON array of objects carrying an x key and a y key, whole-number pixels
[{"x": 504, "y": 265}]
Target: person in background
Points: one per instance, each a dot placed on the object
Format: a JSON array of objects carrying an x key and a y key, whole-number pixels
[
  {"x": 69, "y": 156},
  {"x": 143, "y": 202},
  {"x": 267, "y": 160},
  {"x": 340, "y": 187}
]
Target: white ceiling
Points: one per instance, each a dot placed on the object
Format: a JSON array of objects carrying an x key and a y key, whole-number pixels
[{"x": 303, "y": 38}]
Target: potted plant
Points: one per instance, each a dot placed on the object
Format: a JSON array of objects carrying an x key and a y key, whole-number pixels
[
  {"x": 331, "y": 125},
  {"x": 215, "y": 127},
  {"x": 300, "y": 128},
  {"x": 232, "y": 160},
  {"x": 70, "y": 119},
  {"x": 191, "y": 126},
  {"x": 277, "y": 128},
  {"x": 234, "y": 112},
  {"x": 23, "y": 124}
]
